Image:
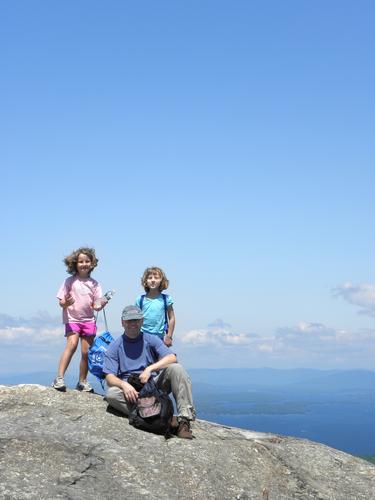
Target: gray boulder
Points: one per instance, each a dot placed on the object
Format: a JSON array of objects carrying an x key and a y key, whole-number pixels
[{"x": 67, "y": 445}]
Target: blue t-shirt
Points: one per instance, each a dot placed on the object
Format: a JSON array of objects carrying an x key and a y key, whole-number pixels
[
  {"x": 154, "y": 314},
  {"x": 125, "y": 355}
]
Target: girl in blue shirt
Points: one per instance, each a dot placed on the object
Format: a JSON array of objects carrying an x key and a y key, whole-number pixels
[{"x": 157, "y": 308}]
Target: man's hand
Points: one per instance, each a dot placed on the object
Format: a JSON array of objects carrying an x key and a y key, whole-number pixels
[
  {"x": 145, "y": 375},
  {"x": 131, "y": 395}
]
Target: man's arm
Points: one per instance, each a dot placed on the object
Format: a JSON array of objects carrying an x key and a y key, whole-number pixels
[
  {"x": 159, "y": 365},
  {"x": 111, "y": 367},
  {"x": 130, "y": 393}
]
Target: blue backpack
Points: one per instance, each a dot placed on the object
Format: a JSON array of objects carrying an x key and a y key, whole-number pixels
[
  {"x": 97, "y": 351},
  {"x": 165, "y": 309}
]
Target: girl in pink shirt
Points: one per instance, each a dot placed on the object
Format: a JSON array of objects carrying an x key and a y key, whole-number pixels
[{"x": 79, "y": 296}]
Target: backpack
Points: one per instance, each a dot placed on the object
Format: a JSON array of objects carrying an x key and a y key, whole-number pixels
[
  {"x": 165, "y": 309},
  {"x": 153, "y": 410},
  {"x": 97, "y": 351}
]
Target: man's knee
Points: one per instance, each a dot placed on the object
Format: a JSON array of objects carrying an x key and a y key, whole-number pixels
[
  {"x": 116, "y": 399},
  {"x": 114, "y": 394},
  {"x": 176, "y": 370}
]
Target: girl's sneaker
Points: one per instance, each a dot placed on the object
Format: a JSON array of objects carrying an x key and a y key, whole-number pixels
[
  {"x": 59, "y": 384},
  {"x": 84, "y": 386}
]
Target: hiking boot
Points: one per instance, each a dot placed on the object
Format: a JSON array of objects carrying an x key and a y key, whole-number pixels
[
  {"x": 174, "y": 423},
  {"x": 184, "y": 430},
  {"x": 84, "y": 386},
  {"x": 59, "y": 384}
]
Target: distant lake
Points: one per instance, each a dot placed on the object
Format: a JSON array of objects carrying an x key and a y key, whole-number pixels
[
  {"x": 345, "y": 426},
  {"x": 334, "y": 408}
]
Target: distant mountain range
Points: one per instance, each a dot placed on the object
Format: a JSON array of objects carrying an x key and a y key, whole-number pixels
[{"x": 239, "y": 379}]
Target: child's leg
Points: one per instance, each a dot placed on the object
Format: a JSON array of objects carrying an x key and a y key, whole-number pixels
[
  {"x": 70, "y": 348},
  {"x": 86, "y": 343}
]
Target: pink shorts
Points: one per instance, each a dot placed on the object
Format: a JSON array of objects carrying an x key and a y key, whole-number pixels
[{"x": 84, "y": 329}]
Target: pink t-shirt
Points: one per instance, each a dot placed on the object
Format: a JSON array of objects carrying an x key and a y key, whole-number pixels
[{"x": 85, "y": 292}]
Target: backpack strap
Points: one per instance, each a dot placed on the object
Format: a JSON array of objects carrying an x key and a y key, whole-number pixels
[
  {"x": 165, "y": 311},
  {"x": 141, "y": 301}
]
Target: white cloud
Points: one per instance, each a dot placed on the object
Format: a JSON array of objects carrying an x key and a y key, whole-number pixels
[
  {"x": 266, "y": 347},
  {"x": 323, "y": 342},
  {"x": 217, "y": 333},
  {"x": 196, "y": 337},
  {"x": 32, "y": 344},
  {"x": 305, "y": 344},
  {"x": 11, "y": 333},
  {"x": 305, "y": 332},
  {"x": 311, "y": 344},
  {"x": 40, "y": 329},
  {"x": 364, "y": 337},
  {"x": 362, "y": 295}
]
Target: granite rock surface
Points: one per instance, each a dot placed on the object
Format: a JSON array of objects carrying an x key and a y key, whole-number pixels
[{"x": 68, "y": 446}]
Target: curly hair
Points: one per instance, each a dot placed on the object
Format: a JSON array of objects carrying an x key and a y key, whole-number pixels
[
  {"x": 71, "y": 260},
  {"x": 155, "y": 270}
]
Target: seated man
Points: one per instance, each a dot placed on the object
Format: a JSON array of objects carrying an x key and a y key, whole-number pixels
[{"x": 147, "y": 355}]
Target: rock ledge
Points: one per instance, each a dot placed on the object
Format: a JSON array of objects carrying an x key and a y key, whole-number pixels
[{"x": 66, "y": 445}]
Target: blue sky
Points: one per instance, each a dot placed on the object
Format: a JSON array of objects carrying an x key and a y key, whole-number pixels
[{"x": 230, "y": 143}]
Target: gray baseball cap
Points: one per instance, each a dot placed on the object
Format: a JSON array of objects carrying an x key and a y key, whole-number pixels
[{"x": 131, "y": 312}]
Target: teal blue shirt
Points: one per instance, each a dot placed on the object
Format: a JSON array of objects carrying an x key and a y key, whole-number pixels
[{"x": 154, "y": 314}]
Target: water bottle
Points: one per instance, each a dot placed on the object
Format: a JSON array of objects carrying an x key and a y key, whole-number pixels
[
  {"x": 104, "y": 300},
  {"x": 109, "y": 295}
]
